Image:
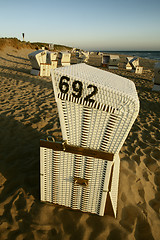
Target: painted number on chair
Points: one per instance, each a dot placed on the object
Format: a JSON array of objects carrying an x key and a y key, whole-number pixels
[{"x": 77, "y": 88}]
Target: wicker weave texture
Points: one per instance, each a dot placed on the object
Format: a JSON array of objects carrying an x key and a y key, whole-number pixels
[
  {"x": 101, "y": 121},
  {"x": 58, "y": 170}
]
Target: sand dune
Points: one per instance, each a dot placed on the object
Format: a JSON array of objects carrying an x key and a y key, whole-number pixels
[{"x": 28, "y": 113}]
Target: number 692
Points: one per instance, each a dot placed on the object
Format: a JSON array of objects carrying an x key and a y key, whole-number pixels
[{"x": 77, "y": 88}]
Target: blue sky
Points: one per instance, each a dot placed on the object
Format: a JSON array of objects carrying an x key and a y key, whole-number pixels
[{"x": 86, "y": 24}]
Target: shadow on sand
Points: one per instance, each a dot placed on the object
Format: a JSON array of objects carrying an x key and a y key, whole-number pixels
[
  {"x": 14, "y": 61},
  {"x": 10, "y": 55}
]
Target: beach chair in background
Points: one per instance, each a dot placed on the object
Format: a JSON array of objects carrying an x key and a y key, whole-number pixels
[
  {"x": 96, "y": 110},
  {"x": 139, "y": 70},
  {"x": 82, "y": 56},
  {"x": 133, "y": 65},
  {"x": 110, "y": 61},
  {"x": 37, "y": 58},
  {"x": 65, "y": 58},
  {"x": 156, "y": 79},
  {"x": 133, "y": 61},
  {"x": 113, "y": 62}
]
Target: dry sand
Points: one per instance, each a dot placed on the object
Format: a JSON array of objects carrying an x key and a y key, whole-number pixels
[{"x": 28, "y": 113}]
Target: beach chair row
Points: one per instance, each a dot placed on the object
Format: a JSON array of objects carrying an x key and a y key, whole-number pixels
[{"x": 43, "y": 61}]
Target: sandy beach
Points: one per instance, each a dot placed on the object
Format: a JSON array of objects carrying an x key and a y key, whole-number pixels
[{"x": 28, "y": 113}]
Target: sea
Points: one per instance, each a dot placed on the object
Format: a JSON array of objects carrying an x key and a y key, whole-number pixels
[{"x": 154, "y": 55}]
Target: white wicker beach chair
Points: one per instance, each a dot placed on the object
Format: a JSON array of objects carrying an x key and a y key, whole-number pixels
[
  {"x": 96, "y": 110},
  {"x": 37, "y": 57}
]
